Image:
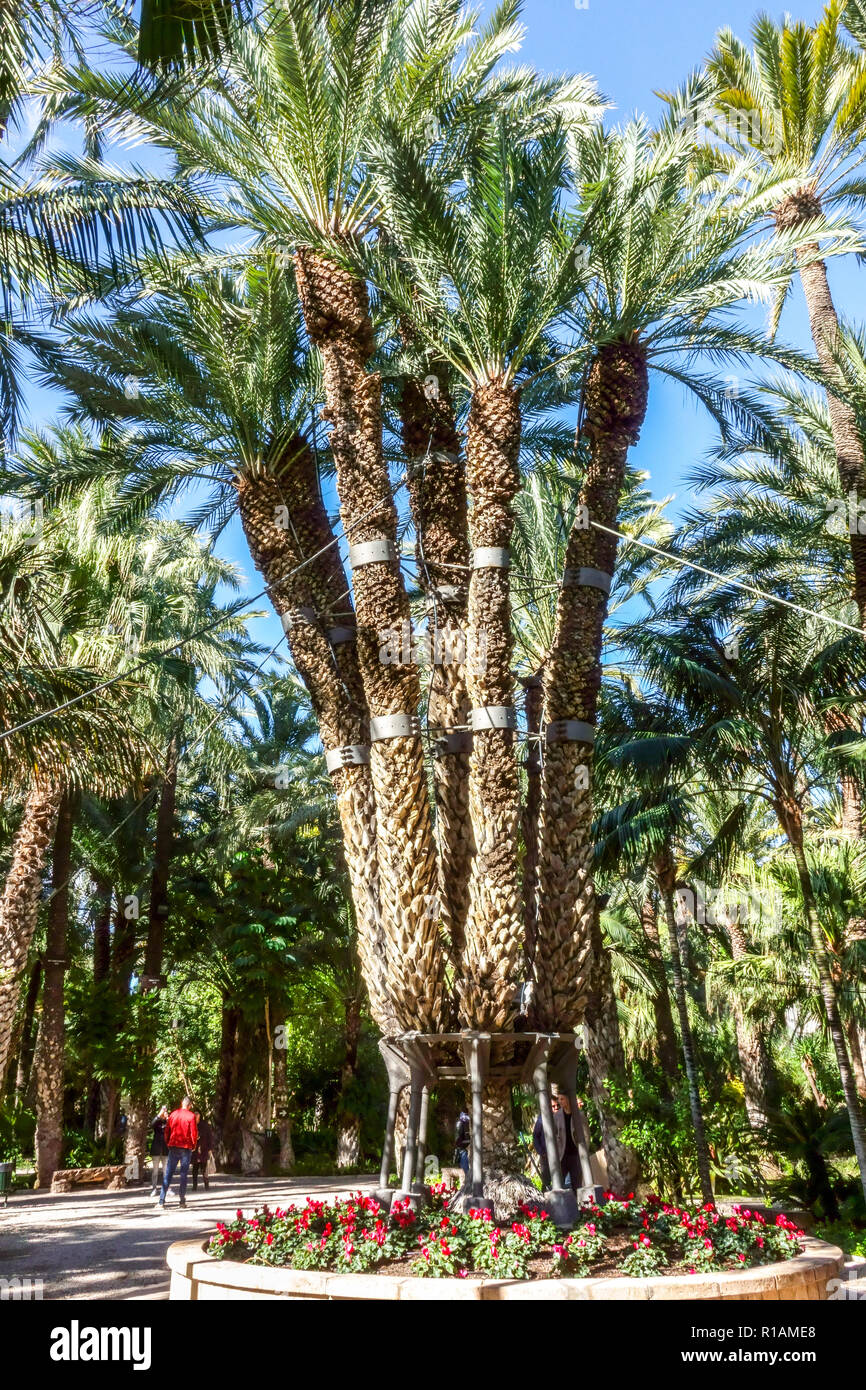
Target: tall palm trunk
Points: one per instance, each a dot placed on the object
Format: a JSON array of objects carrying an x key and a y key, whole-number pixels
[
  {"x": 26, "y": 1036},
  {"x": 791, "y": 820},
  {"x": 20, "y": 901},
  {"x": 665, "y": 875},
  {"x": 606, "y": 1062},
  {"x": 283, "y": 1119},
  {"x": 437, "y": 499},
  {"x": 493, "y": 958},
  {"x": 229, "y": 1020},
  {"x": 312, "y": 602},
  {"x": 756, "y": 1063},
  {"x": 337, "y": 317},
  {"x": 50, "y": 1050},
  {"x": 615, "y": 402},
  {"x": 798, "y": 209},
  {"x": 348, "y": 1121},
  {"x": 666, "y": 1037},
  {"x": 101, "y": 973},
  {"x": 138, "y": 1112}
]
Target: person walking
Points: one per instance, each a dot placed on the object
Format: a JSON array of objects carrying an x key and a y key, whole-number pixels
[
  {"x": 461, "y": 1141},
  {"x": 181, "y": 1137},
  {"x": 158, "y": 1150},
  {"x": 203, "y": 1151}
]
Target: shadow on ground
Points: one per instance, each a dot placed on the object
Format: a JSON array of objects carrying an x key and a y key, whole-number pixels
[{"x": 111, "y": 1245}]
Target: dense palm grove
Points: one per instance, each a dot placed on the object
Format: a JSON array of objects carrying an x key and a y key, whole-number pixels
[{"x": 534, "y": 752}]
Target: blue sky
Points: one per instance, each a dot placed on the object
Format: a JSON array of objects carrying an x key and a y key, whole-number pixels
[{"x": 633, "y": 49}]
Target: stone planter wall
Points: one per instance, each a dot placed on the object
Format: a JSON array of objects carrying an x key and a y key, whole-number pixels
[{"x": 197, "y": 1276}]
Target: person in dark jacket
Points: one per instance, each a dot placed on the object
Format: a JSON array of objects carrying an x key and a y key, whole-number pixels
[
  {"x": 462, "y": 1140},
  {"x": 158, "y": 1150},
  {"x": 567, "y": 1152},
  {"x": 202, "y": 1152},
  {"x": 181, "y": 1137}
]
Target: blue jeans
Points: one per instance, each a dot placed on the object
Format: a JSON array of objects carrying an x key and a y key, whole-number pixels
[
  {"x": 463, "y": 1159},
  {"x": 176, "y": 1157}
]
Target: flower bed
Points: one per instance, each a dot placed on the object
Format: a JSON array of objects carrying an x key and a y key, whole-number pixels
[{"x": 626, "y": 1239}]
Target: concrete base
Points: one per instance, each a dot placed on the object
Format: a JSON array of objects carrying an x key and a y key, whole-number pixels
[
  {"x": 561, "y": 1207},
  {"x": 417, "y": 1200},
  {"x": 812, "y": 1276}
]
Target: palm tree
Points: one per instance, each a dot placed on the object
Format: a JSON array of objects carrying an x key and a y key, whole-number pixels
[
  {"x": 761, "y": 714},
  {"x": 796, "y": 103}
]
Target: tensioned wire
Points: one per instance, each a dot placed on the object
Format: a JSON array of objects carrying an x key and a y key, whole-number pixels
[{"x": 269, "y": 588}]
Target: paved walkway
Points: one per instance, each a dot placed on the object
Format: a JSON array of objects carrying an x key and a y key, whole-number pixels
[{"x": 111, "y": 1245}]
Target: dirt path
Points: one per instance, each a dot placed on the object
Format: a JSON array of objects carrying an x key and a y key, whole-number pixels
[{"x": 111, "y": 1245}]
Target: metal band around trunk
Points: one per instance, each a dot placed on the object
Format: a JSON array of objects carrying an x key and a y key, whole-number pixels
[
  {"x": 336, "y": 635},
  {"x": 290, "y": 619},
  {"x": 453, "y": 743},
  {"x": 382, "y": 551},
  {"x": 587, "y": 578},
  {"x": 494, "y": 557},
  {"x": 394, "y": 726},
  {"x": 493, "y": 717},
  {"x": 350, "y": 755},
  {"x": 447, "y": 592},
  {"x": 569, "y": 731},
  {"x": 443, "y": 456}
]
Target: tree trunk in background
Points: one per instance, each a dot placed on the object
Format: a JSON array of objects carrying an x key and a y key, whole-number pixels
[
  {"x": 437, "y": 500},
  {"x": 756, "y": 1063},
  {"x": 799, "y": 208},
  {"x": 101, "y": 972},
  {"x": 665, "y": 874},
  {"x": 50, "y": 1050},
  {"x": 533, "y": 709},
  {"x": 493, "y": 961},
  {"x": 856, "y": 1050},
  {"x": 615, "y": 400},
  {"x": 138, "y": 1114},
  {"x": 20, "y": 903},
  {"x": 27, "y": 1034},
  {"x": 337, "y": 317},
  {"x": 229, "y": 1019},
  {"x": 606, "y": 1062},
  {"x": 282, "y": 1114},
  {"x": 247, "y": 1116},
  {"x": 666, "y": 1037},
  {"x": 348, "y": 1123}
]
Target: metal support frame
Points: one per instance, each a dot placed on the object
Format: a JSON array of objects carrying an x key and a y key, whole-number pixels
[
  {"x": 398, "y": 1080},
  {"x": 422, "y": 1075}
]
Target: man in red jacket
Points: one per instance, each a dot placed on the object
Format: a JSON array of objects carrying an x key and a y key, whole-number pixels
[{"x": 181, "y": 1137}]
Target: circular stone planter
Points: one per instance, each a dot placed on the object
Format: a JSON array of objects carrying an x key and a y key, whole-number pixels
[{"x": 195, "y": 1275}]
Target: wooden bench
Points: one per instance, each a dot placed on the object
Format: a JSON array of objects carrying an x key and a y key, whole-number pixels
[{"x": 65, "y": 1179}]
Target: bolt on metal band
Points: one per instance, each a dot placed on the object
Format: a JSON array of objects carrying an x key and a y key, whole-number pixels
[
  {"x": 449, "y": 591},
  {"x": 394, "y": 726},
  {"x": 569, "y": 731},
  {"x": 493, "y": 717},
  {"x": 350, "y": 755},
  {"x": 381, "y": 551},
  {"x": 290, "y": 619},
  {"x": 587, "y": 578},
  {"x": 336, "y": 635},
  {"x": 453, "y": 743},
  {"x": 494, "y": 557}
]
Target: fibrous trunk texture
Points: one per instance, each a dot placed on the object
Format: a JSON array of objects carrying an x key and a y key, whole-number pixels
[
  {"x": 437, "y": 498},
  {"x": 801, "y": 208},
  {"x": 502, "y": 1153},
  {"x": 50, "y": 1051},
  {"x": 615, "y": 401},
  {"x": 756, "y": 1063},
  {"x": 286, "y": 526},
  {"x": 533, "y": 706},
  {"x": 493, "y": 957},
  {"x": 337, "y": 317},
  {"x": 606, "y": 1063},
  {"x": 20, "y": 902},
  {"x": 26, "y": 1035},
  {"x": 282, "y": 1115}
]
